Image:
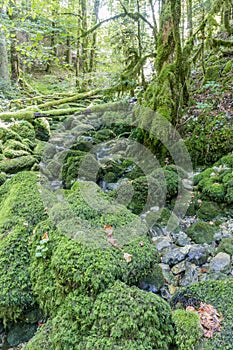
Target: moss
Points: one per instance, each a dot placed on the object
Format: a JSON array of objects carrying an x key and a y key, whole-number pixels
[
  {"x": 42, "y": 129},
  {"x": 215, "y": 192},
  {"x": 216, "y": 183},
  {"x": 8, "y": 134},
  {"x": 212, "y": 73},
  {"x": 15, "y": 165},
  {"x": 188, "y": 329},
  {"x": 228, "y": 67},
  {"x": 206, "y": 140},
  {"x": 21, "y": 209},
  {"x": 11, "y": 153},
  {"x": 226, "y": 246},
  {"x": 219, "y": 294},
  {"x": 225, "y": 161},
  {"x": 208, "y": 210},
  {"x": 201, "y": 232},
  {"x": 24, "y": 129},
  {"x": 16, "y": 295},
  {"x": 122, "y": 317},
  {"x": 3, "y": 178},
  {"x": 73, "y": 168}
]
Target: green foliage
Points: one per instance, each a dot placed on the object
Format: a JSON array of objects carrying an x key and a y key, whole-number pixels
[
  {"x": 187, "y": 329},
  {"x": 201, "y": 232},
  {"x": 219, "y": 294}
]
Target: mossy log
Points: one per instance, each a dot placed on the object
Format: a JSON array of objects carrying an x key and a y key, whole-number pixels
[
  {"x": 34, "y": 111},
  {"x": 80, "y": 96}
]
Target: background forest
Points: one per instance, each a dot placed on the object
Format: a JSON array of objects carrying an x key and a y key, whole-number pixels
[{"x": 116, "y": 174}]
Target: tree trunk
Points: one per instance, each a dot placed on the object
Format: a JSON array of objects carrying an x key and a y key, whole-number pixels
[
  {"x": 92, "y": 63},
  {"x": 190, "y": 17},
  {"x": 4, "y": 69}
]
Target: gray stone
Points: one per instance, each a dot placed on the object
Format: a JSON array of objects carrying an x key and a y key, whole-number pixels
[
  {"x": 190, "y": 276},
  {"x": 198, "y": 255},
  {"x": 178, "y": 268},
  {"x": 220, "y": 263},
  {"x": 174, "y": 257},
  {"x": 20, "y": 333},
  {"x": 162, "y": 242},
  {"x": 168, "y": 275},
  {"x": 182, "y": 239}
]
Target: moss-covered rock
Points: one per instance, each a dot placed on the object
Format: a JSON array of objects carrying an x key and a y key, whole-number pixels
[
  {"x": 188, "y": 329},
  {"x": 24, "y": 129},
  {"x": 42, "y": 129},
  {"x": 216, "y": 183},
  {"x": 76, "y": 167},
  {"x": 21, "y": 209},
  {"x": 219, "y": 294},
  {"x": 3, "y": 178},
  {"x": 226, "y": 246},
  {"x": 12, "y": 166},
  {"x": 209, "y": 139},
  {"x": 208, "y": 210},
  {"x": 122, "y": 317},
  {"x": 201, "y": 232}
]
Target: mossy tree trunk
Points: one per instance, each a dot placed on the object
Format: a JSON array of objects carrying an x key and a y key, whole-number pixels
[
  {"x": 4, "y": 70},
  {"x": 164, "y": 94}
]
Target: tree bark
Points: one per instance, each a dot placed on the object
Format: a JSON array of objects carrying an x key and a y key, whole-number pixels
[{"x": 4, "y": 69}]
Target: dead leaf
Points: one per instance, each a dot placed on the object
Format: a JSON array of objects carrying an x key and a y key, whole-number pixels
[
  {"x": 209, "y": 317},
  {"x": 108, "y": 229},
  {"x": 127, "y": 257},
  {"x": 45, "y": 236}
]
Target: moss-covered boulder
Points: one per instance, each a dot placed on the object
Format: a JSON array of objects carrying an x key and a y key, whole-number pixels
[
  {"x": 42, "y": 129},
  {"x": 216, "y": 183},
  {"x": 21, "y": 209},
  {"x": 76, "y": 167},
  {"x": 226, "y": 246},
  {"x": 12, "y": 166},
  {"x": 219, "y": 294},
  {"x": 202, "y": 232},
  {"x": 208, "y": 210},
  {"x": 122, "y": 317},
  {"x": 209, "y": 139},
  {"x": 24, "y": 129}
]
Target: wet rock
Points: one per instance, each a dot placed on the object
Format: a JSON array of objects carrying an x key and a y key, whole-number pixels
[
  {"x": 178, "y": 268},
  {"x": 168, "y": 275},
  {"x": 198, "y": 255},
  {"x": 182, "y": 239},
  {"x": 190, "y": 276},
  {"x": 20, "y": 333},
  {"x": 220, "y": 263},
  {"x": 162, "y": 242},
  {"x": 174, "y": 256}
]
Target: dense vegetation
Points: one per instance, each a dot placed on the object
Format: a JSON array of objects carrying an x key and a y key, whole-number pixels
[{"x": 116, "y": 174}]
